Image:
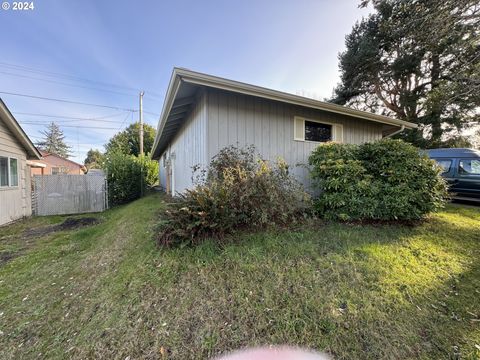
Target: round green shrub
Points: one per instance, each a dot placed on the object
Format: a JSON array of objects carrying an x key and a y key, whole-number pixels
[{"x": 383, "y": 180}]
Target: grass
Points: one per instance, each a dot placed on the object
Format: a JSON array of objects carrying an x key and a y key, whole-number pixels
[{"x": 357, "y": 292}]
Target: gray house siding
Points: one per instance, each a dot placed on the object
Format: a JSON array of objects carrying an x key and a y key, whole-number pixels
[
  {"x": 15, "y": 202},
  {"x": 269, "y": 125},
  {"x": 220, "y": 118},
  {"x": 187, "y": 149}
]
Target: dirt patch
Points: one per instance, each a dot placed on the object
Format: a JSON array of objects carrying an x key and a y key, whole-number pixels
[
  {"x": 73, "y": 223},
  {"x": 26, "y": 240},
  {"x": 5, "y": 256},
  {"x": 68, "y": 224}
]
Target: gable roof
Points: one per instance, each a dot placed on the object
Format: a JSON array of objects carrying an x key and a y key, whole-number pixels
[
  {"x": 17, "y": 131},
  {"x": 46, "y": 154},
  {"x": 184, "y": 83}
]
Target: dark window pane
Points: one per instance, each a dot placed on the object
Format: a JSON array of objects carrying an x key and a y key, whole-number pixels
[
  {"x": 318, "y": 132},
  {"x": 3, "y": 171}
]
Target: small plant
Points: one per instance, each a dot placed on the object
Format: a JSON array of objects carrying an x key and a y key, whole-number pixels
[
  {"x": 238, "y": 190},
  {"x": 384, "y": 180}
]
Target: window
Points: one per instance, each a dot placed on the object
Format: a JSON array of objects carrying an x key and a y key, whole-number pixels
[
  {"x": 8, "y": 172},
  {"x": 3, "y": 171},
  {"x": 315, "y": 131},
  {"x": 445, "y": 164},
  {"x": 55, "y": 170},
  {"x": 13, "y": 172},
  {"x": 469, "y": 167}
]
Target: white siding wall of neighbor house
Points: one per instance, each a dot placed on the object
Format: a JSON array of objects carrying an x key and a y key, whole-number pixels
[
  {"x": 187, "y": 149},
  {"x": 15, "y": 202},
  {"x": 269, "y": 125}
]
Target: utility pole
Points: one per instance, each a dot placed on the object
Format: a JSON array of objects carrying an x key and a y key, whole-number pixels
[{"x": 141, "y": 122}]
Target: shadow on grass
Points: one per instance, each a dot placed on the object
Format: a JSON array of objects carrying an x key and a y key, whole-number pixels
[{"x": 356, "y": 291}]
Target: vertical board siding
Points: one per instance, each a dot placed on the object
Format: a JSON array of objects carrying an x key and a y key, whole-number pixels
[
  {"x": 14, "y": 201},
  {"x": 69, "y": 194},
  {"x": 245, "y": 120},
  {"x": 189, "y": 147}
]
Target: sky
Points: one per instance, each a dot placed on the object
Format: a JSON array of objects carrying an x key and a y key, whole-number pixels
[{"x": 105, "y": 52}]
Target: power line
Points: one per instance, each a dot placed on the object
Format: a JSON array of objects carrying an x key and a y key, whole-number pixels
[
  {"x": 150, "y": 113},
  {"x": 123, "y": 122},
  {"x": 66, "y": 84},
  {"x": 70, "y": 143},
  {"x": 67, "y": 101},
  {"x": 73, "y": 118},
  {"x": 70, "y": 77},
  {"x": 72, "y": 126},
  {"x": 67, "y": 76}
]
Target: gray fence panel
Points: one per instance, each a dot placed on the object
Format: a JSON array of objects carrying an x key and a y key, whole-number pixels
[{"x": 69, "y": 194}]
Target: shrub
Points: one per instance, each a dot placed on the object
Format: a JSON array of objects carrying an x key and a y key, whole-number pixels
[
  {"x": 384, "y": 180},
  {"x": 237, "y": 190},
  {"x": 128, "y": 176}
]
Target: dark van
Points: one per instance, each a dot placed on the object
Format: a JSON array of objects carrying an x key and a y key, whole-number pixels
[{"x": 461, "y": 168}]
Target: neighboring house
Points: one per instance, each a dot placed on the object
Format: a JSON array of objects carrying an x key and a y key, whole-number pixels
[
  {"x": 55, "y": 164},
  {"x": 15, "y": 151},
  {"x": 202, "y": 114}
]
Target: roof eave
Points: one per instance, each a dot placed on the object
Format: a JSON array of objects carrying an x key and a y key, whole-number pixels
[
  {"x": 18, "y": 132},
  {"x": 172, "y": 90},
  {"x": 200, "y": 79},
  {"x": 254, "y": 90}
]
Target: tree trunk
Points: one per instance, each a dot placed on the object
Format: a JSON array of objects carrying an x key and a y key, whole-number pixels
[{"x": 435, "y": 111}]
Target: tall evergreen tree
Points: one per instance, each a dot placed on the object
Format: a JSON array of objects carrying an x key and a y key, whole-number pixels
[
  {"x": 416, "y": 60},
  {"x": 54, "y": 141}
]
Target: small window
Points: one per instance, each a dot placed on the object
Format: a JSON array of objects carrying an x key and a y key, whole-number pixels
[
  {"x": 469, "y": 167},
  {"x": 55, "y": 170},
  {"x": 445, "y": 164},
  {"x": 315, "y": 131},
  {"x": 13, "y": 172},
  {"x": 3, "y": 171}
]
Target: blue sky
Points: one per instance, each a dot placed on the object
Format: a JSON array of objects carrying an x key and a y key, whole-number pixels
[{"x": 124, "y": 46}]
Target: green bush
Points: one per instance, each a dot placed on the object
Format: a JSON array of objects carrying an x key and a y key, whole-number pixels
[
  {"x": 128, "y": 176},
  {"x": 236, "y": 191},
  {"x": 384, "y": 180}
]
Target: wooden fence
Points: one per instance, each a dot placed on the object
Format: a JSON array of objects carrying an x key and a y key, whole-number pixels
[{"x": 69, "y": 194}]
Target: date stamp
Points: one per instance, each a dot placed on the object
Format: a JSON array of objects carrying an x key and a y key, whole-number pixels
[{"x": 18, "y": 5}]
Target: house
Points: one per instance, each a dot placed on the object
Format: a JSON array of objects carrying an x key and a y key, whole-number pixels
[
  {"x": 55, "y": 164},
  {"x": 202, "y": 114},
  {"x": 16, "y": 155}
]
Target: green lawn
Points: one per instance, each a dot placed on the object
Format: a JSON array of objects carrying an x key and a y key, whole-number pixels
[{"x": 357, "y": 292}]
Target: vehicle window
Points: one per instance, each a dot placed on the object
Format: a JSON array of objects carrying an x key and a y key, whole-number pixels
[
  {"x": 469, "y": 167},
  {"x": 445, "y": 164}
]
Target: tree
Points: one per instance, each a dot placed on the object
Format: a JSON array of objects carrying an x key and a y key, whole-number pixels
[
  {"x": 416, "y": 60},
  {"x": 127, "y": 141},
  {"x": 94, "y": 159},
  {"x": 54, "y": 141}
]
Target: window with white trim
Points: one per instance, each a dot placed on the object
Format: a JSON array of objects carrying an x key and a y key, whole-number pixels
[
  {"x": 8, "y": 172},
  {"x": 317, "y": 131}
]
